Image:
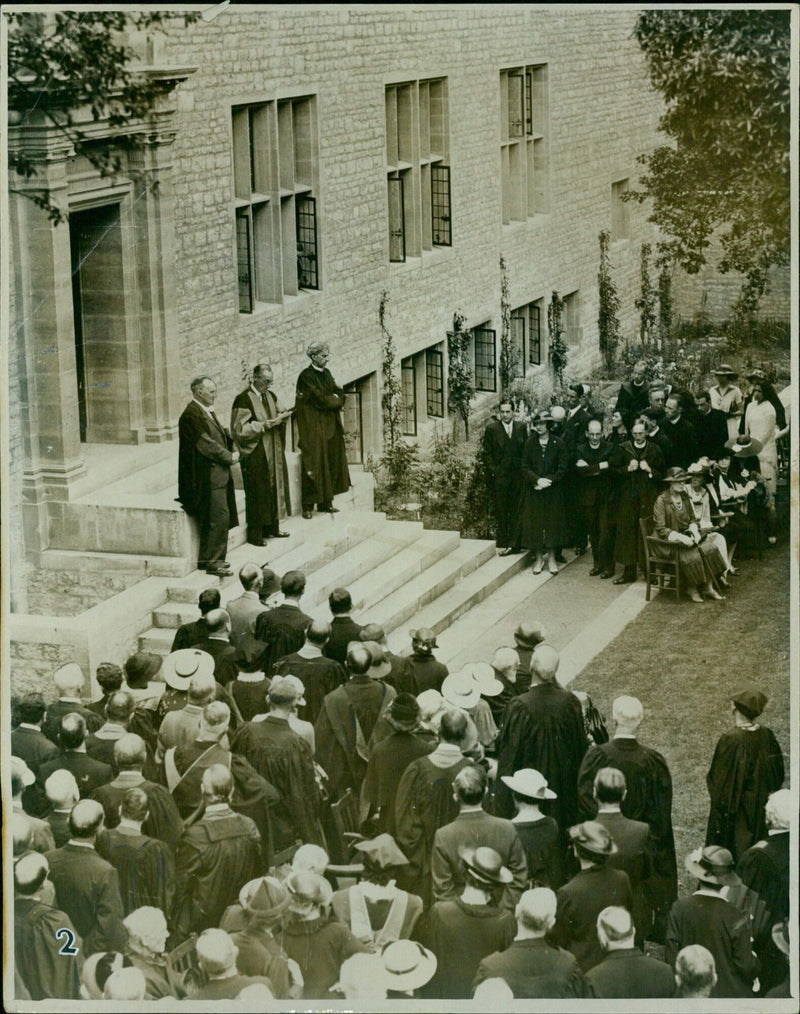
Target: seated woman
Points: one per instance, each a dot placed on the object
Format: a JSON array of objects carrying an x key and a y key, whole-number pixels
[
  {"x": 673, "y": 521},
  {"x": 700, "y": 500},
  {"x": 737, "y": 488}
]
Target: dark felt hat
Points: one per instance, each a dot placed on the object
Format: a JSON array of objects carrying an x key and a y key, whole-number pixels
[
  {"x": 743, "y": 446},
  {"x": 270, "y": 583},
  {"x": 675, "y": 474},
  {"x": 594, "y": 837},
  {"x": 140, "y": 667},
  {"x": 750, "y": 702},
  {"x": 712, "y": 864},
  {"x": 404, "y": 710}
]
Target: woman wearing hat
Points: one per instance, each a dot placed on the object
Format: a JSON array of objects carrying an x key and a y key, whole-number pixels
[
  {"x": 700, "y": 499},
  {"x": 747, "y": 766},
  {"x": 673, "y": 521},
  {"x": 408, "y": 966},
  {"x": 726, "y": 397},
  {"x": 538, "y": 833},
  {"x": 314, "y": 938},
  {"x": 544, "y": 466},
  {"x": 265, "y": 902}
]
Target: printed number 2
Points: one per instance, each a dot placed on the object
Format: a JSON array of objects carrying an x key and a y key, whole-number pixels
[{"x": 69, "y": 939}]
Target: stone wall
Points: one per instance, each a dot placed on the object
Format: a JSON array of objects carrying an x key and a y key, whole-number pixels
[
  {"x": 70, "y": 592},
  {"x": 602, "y": 114},
  {"x": 712, "y": 293}
]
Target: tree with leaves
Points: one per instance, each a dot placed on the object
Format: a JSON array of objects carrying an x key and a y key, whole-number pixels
[
  {"x": 460, "y": 386},
  {"x": 608, "y": 305},
  {"x": 724, "y": 76},
  {"x": 664, "y": 306},
  {"x": 68, "y": 69}
]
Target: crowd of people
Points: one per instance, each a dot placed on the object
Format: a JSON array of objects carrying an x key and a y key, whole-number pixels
[
  {"x": 697, "y": 470},
  {"x": 284, "y": 808}
]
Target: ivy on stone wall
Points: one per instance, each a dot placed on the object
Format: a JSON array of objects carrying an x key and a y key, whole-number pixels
[
  {"x": 391, "y": 391},
  {"x": 509, "y": 354},
  {"x": 646, "y": 302},
  {"x": 608, "y": 305},
  {"x": 665, "y": 306},
  {"x": 555, "y": 330},
  {"x": 460, "y": 386}
]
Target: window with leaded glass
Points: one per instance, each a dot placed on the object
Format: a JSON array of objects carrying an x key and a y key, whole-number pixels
[
  {"x": 417, "y": 167},
  {"x": 524, "y": 143},
  {"x": 434, "y": 379},
  {"x": 275, "y": 169},
  {"x": 408, "y": 386},
  {"x": 485, "y": 344}
]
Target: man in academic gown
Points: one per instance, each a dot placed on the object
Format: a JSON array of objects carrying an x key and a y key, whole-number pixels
[
  {"x": 89, "y": 773},
  {"x": 284, "y": 759},
  {"x": 503, "y": 442},
  {"x": 318, "y": 404},
  {"x": 257, "y": 428},
  {"x": 163, "y": 821},
  {"x": 217, "y": 853},
  {"x": 746, "y": 768},
  {"x": 543, "y": 729},
  {"x": 282, "y": 629},
  {"x": 344, "y": 628},
  {"x": 633, "y": 396},
  {"x": 592, "y": 493},
  {"x": 648, "y": 798},
  {"x": 48, "y": 970},
  {"x": 146, "y": 866},
  {"x": 425, "y": 802},
  {"x": 205, "y": 483},
  {"x": 638, "y": 463},
  {"x": 711, "y": 427},
  {"x": 346, "y": 721},
  {"x": 318, "y": 674}
]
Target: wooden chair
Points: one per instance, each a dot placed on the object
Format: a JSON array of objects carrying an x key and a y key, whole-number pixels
[
  {"x": 183, "y": 968},
  {"x": 345, "y": 827},
  {"x": 662, "y": 569}
]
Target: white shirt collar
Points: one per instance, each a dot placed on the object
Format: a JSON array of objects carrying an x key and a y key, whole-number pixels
[
  {"x": 81, "y": 844},
  {"x": 205, "y": 408},
  {"x": 29, "y": 725}
]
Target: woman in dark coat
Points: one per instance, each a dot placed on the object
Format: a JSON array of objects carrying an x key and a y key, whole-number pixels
[
  {"x": 544, "y": 465},
  {"x": 746, "y": 768},
  {"x": 674, "y": 521}
]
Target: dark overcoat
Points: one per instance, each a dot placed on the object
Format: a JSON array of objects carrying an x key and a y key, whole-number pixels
[
  {"x": 542, "y": 521},
  {"x": 318, "y": 405},
  {"x": 264, "y": 470},
  {"x": 204, "y": 463}
]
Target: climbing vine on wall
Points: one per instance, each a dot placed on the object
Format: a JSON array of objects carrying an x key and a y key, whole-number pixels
[
  {"x": 509, "y": 354},
  {"x": 460, "y": 385},
  {"x": 391, "y": 390},
  {"x": 555, "y": 330},
  {"x": 608, "y": 305}
]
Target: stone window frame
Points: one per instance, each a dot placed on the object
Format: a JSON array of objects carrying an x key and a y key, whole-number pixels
[
  {"x": 528, "y": 335},
  {"x": 573, "y": 330},
  {"x": 419, "y": 201},
  {"x": 620, "y": 211},
  {"x": 275, "y": 153},
  {"x": 524, "y": 142}
]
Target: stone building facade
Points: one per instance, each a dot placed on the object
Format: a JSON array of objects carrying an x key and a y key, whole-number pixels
[{"x": 303, "y": 162}]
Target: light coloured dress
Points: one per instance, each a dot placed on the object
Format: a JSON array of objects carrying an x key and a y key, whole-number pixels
[
  {"x": 760, "y": 424},
  {"x": 731, "y": 404}
]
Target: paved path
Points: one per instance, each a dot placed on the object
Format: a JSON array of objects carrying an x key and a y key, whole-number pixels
[{"x": 581, "y": 615}]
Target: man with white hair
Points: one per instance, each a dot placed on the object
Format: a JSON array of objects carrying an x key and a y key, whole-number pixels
[
  {"x": 69, "y": 681},
  {"x": 217, "y": 955},
  {"x": 22, "y": 778},
  {"x": 625, "y": 972},
  {"x": 648, "y": 798},
  {"x": 125, "y": 984},
  {"x": 62, "y": 793},
  {"x": 146, "y": 866},
  {"x": 543, "y": 729},
  {"x": 530, "y": 965},
  {"x": 765, "y": 869},
  {"x": 147, "y": 940},
  {"x": 506, "y": 663},
  {"x": 215, "y": 855},
  {"x": 46, "y": 973},
  {"x": 695, "y": 972}
]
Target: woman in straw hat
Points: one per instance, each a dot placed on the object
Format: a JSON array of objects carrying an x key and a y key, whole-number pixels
[
  {"x": 726, "y": 397},
  {"x": 700, "y": 499},
  {"x": 673, "y": 521}
]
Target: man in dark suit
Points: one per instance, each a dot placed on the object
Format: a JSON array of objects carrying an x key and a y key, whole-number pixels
[
  {"x": 633, "y": 396},
  {"x": 257, "y": 428},
  {"x": 344, "y": 628},
  {"x": 681, "y": 433},
  {"x": 217, "y": 644},
  {"x": 633, "y": 841},
  {"x": 531, "y": 966},
  {"x": 318, "y": 674},
  {"x": 592, "y": 495},
  {"x": 711, "y": 427},
  {"x": 194, "y": 631},
  {"x": 89, "y": 773},
  {"x": 503, "y": 441},
  {"x": 119, "y": 721},
  {"x": 205, "y": 483},
  {"x": 283, "y": 629},
  {"x": 638, "y": 464},
  {"x": 87, "y": 887},
  {"x": 27, "y": 739},
  {"x": 472, "y": 828},
  {"x": 625, "y": 973}
]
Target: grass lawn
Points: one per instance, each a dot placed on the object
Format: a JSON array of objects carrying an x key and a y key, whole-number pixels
[{"x": 684, "y": 661}]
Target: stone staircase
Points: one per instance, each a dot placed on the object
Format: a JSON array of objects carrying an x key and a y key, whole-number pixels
[{"x": 399, "y": 574}]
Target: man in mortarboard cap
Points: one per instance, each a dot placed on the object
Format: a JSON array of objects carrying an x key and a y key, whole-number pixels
[{"x": 746, "y": 767}]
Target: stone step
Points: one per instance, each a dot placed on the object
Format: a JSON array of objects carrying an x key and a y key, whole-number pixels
[
  {"x": 401, "y": 569},
  {"x": 114, "y": 563},
  {"x": 443, "y": 610},
  {"x": 399, "y": 607},
  {"x": 311, "y": 544}
]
